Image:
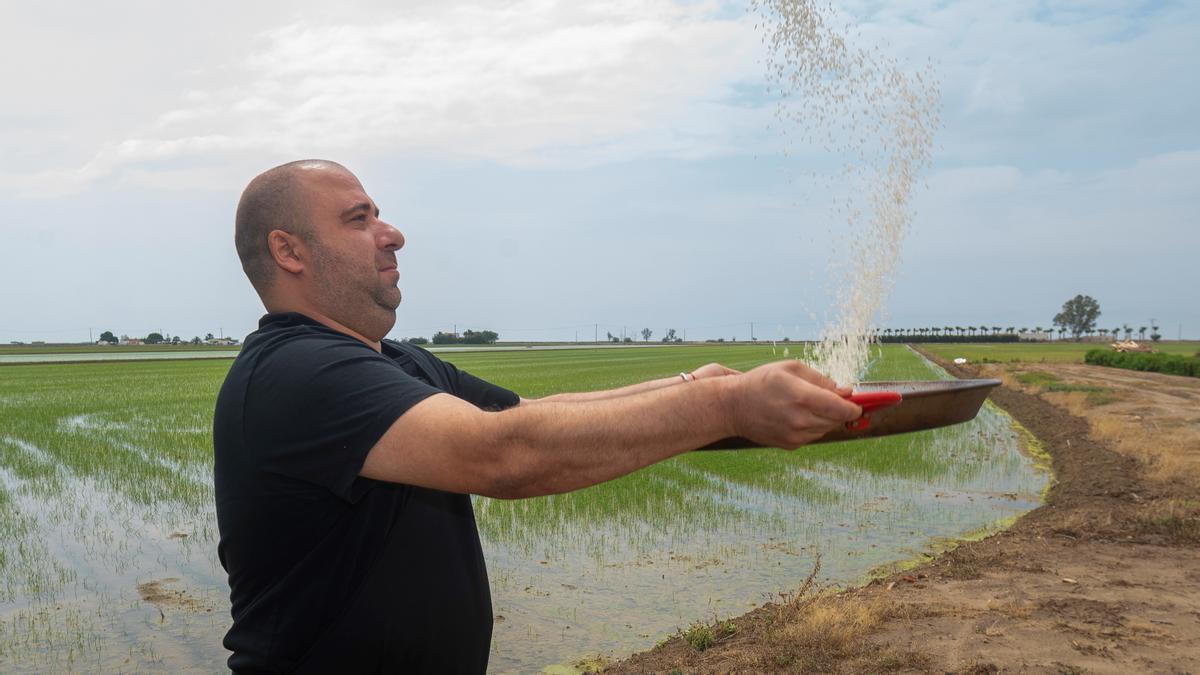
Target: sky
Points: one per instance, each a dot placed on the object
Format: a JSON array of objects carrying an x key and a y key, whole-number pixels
[{"x": 561, "y": 169}]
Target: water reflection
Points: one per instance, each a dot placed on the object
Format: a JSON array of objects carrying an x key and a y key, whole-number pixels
[{"x": 615, "y": 568}]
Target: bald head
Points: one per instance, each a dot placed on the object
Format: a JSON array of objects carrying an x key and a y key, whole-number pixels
[{"x": 276, "y": 199}]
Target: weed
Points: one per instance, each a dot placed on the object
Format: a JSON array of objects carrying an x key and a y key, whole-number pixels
[{"x": 699, "y": 637}]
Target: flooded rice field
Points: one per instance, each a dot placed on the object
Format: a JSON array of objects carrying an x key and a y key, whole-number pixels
[{"x": 108, "y": 534}]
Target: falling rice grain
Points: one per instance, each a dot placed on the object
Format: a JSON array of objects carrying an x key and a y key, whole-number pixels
[{"x": 854, "y": 103}]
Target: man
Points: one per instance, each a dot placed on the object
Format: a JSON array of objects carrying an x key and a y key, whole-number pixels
[{"x": 344, "y": 463}]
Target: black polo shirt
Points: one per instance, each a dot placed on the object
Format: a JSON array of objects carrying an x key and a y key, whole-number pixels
[{"x": 330, "y": 571}]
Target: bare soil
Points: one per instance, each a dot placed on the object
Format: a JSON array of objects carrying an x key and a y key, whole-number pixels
[
  {"x": 158, "y": 592},
  {"x": 1103, "y": 578}
]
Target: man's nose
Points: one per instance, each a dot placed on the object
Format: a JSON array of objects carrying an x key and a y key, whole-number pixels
[{"x": 390, "y": 238}]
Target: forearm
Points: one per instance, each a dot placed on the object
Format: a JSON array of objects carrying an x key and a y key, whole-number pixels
[
  {"x": 584, "y": 396},
  {"x": 559, "y": 446}
]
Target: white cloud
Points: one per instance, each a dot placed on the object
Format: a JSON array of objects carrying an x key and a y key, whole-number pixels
[{"x": 521, "y": 83}]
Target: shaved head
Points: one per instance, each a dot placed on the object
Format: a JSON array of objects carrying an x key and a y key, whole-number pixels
[{"x": 276, "y": 199}]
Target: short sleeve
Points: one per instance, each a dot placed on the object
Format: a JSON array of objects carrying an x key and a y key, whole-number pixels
[
  {"x": 482, "y": 393},
  {"x": 316, "y": 405},
  {"x": 466, "y": 386}
]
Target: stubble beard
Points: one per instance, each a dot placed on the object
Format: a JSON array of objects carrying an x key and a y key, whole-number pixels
[{"x": 364, "y": 304}]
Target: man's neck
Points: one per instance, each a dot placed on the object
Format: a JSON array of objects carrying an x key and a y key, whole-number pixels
[{"x": 320, "y": 317}]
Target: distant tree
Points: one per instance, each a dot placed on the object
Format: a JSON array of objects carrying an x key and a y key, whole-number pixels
[
  {"x": 196, "y": 340},
  {"x": 1142, "y": 333},
  {"x": 670, "y": 336},
  {"x": 1078, "y": 316},
  {"x": 479, "y": 337},
  {"x": 108, "y": 337},
  {"x": 208, "y": 336},
  {"x": 646, "y": 333},
  {"x": 628, "y": 339},
  {"x": 613, "y": 338},
  {"x": 1103, "y": 332},
  {"x": 175, "y": 340},
  {"x": 1154, "y": 334},
  {"x": 1128, "y": 331},
  {"x": 441, "y": 338},
  {"x": 154, "y": 338},
  {"x": 417, "y": 340}
]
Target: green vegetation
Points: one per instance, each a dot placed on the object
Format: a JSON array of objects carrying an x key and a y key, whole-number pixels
[
  {"x": 111, "y": 349},
  {"x": 105, "y": 482},
  {"x": 468, "y": 337},
  {"x": 1170, "y": 364},
  {"x": 1078, "y": 316},
  {"x": 1039, "y": 352},
  {"x": 1049, "y": 382}
]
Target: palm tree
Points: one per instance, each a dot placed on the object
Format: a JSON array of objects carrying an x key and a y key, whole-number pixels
[
  {"x": 1103, "y": 332},
  {"x": 1128, "y": 332},
  {"x": 1142, "y": 333}
]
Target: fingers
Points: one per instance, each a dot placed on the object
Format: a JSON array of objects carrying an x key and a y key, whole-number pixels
[
  {"x": 832, "y": 406},
  {"x": 805, "y": 372}
]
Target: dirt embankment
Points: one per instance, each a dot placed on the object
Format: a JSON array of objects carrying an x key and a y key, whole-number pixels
[{"x": 1104, "y": 578}]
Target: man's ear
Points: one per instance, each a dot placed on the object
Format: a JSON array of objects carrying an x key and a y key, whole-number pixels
[{"x": 288, "y": 251}]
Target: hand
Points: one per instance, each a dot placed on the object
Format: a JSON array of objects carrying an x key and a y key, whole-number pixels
[
  {"x": 787, "y": 404},
  {"x": 713, "y": 370}
]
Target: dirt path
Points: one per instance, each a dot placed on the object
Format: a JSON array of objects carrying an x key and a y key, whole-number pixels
[{"x": 1104, "y": 578}]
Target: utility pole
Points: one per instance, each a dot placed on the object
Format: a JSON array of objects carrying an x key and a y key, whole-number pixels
[
  {"x": 90, "y": 336},
  {"x": 752, "y": 331},
  {"x": 596, "y": 332}
]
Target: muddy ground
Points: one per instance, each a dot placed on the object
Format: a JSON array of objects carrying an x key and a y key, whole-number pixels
[{"x": 1104, "y": 578}]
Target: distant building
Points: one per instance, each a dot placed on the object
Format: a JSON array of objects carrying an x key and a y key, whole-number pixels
[{"x": 222, "y": 342}]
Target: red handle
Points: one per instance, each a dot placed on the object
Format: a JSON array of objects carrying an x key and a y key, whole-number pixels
[{"x": 871, "y": 401}]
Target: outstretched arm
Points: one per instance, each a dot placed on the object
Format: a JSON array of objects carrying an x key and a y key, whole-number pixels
[
  {"x": 449, "y": 444},
  {"x": 701, "y": 373}
]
